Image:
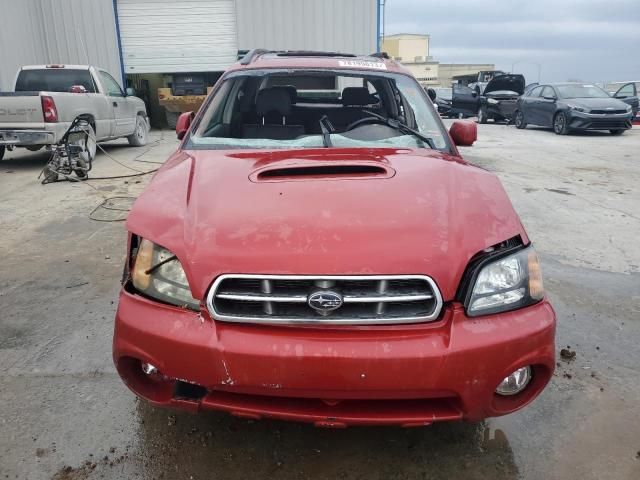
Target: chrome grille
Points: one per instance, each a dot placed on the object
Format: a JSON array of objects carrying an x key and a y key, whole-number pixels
[{"x": 285, "y": 299}]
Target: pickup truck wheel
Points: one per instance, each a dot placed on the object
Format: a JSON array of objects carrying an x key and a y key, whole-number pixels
[
  {"x": 139, "y": 136},
  {"x": 1, "y": 151}
]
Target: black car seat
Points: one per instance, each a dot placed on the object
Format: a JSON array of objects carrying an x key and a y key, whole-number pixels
[
  {"x": 354, "y": 99},
  {"x": 273, "y": 106}
]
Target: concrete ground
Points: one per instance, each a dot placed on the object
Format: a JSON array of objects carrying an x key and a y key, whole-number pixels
[{"x": 65, "y": 414}]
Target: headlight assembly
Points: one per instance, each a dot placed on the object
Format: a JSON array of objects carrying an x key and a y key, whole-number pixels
[
  {"x": 158, "y": 274},
  {"x": 506, "y": 283},
  {"x": 576, "y": 108},
  {"x": 492, "y": 101}
]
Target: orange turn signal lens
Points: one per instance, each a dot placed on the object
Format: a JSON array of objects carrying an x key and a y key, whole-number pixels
[
  {"x": 141, "y": 279},
  {"x": 536, "y": 288}
]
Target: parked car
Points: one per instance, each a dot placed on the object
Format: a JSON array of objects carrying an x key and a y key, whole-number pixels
[
  {"x": 443, "y": 101},
  {"x": 628, "y": 93},
  {"x": 464, "y": 101},
  {"x": 318, "y": 250},
  {"x": 47, "y": 98},
  {"x": 478, "y": 81},
  {"x": 530, "y": 87},
  {"x": 571, "y": 107},
  {"x": 499, "y": 98}
]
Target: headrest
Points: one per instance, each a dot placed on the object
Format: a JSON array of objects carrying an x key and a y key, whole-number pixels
[
  {"x": 358, "y": 96},
  {"x": 274, "y": 99},
  {"x": 291, "y": 90}
]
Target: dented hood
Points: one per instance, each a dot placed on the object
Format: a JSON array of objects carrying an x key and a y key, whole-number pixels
[
  {"x": 502, "y": 83},
  {"x": 422, "y": 213}
]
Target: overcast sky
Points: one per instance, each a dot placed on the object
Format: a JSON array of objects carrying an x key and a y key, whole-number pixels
[{"x": 591, "y": 40}]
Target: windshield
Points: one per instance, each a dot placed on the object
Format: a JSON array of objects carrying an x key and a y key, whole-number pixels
[
  {"x": 307, "y": 109},
  {"x": 581, "y": 91}
]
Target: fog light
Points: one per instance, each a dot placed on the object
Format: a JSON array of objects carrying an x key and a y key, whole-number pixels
[
  {"x": 149, "y": 369},
  {"x": 515, "y": 383}
]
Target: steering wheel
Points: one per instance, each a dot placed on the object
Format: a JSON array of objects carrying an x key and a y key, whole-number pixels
[{"x": 363, "y": 121}]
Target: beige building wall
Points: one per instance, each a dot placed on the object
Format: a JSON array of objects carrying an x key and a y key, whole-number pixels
[
  {"x": 426, "y": 73},
  {"x": 412, "y": 51},
  {"x": 407, "y": 48}
]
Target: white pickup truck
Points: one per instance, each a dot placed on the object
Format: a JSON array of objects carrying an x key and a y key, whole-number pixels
[{"x": 47, "y": 98}]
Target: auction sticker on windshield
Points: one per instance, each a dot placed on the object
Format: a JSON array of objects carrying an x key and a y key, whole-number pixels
[{"x": 362, "y": 64}]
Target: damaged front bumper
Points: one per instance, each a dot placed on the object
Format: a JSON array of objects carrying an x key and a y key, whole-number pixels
[
  {"x": 385, "y": 375},
  {"x": 501, "y": 109}
]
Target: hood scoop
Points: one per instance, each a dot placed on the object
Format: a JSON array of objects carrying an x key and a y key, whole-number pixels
[{"x": 322, "y": 171}]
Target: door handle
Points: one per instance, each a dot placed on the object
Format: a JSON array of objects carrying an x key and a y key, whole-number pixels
[{"x": 115, "y": 104}]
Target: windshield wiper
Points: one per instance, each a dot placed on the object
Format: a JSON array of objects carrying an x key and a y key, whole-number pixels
[
  {"x": 327, "y": 128},
  {"x": 404, "y": 128}
]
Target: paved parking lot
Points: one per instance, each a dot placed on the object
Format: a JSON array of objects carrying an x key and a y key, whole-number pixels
[{"x": 65, "y": 414}]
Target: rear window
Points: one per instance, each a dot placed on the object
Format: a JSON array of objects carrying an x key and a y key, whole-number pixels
[
  {"x": 53, "y": 80},
  {"x": 318, "y": 88}
]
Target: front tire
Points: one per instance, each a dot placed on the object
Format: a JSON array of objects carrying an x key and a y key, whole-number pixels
[
  {"x": 560, "y": 124},
  {"x": 519, "y": 120},
  {"x": 616, "y": 132},
  {"x": 2, "y": 148},
  {"x": 139, "y": 136},
  {"x": 482, "y": 115}
]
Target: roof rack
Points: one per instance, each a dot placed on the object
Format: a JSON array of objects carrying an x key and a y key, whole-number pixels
[
  {"x": 251, "y": 54},
  {"x": 248, "y": 56},
  {"x": 312, "y": 53},
  {"x": 384, "y": 55}
]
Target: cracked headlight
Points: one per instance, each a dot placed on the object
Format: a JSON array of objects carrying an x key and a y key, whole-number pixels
[
  {"x": 508, "y": 283},
  {"x": 158, "y": 274}
]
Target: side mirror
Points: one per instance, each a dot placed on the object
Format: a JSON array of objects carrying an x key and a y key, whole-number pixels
[
  {"x": 130, "y": 92},
  {"x": 78, "y": 89},
  {"x": 432, "y": 94},
  {"x": 464, "y": 133},
  {"x": 183, "y": 124}
]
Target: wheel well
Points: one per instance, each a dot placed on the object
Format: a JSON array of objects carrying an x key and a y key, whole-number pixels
[{"x": 89, "y": 118}]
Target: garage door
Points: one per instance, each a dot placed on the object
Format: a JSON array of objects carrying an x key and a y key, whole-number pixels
[{"x": 166, "y": 36}]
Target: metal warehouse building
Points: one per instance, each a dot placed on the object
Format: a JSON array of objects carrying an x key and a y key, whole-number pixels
[{"x": 145, "y": 41}]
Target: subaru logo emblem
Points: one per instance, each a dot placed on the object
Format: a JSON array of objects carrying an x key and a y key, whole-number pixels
[{"x": 325, "y": 301}]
